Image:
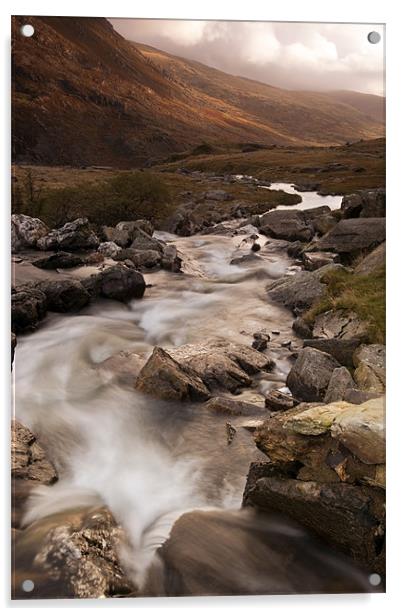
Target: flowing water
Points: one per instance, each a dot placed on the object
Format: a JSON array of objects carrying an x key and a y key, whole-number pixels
[{"x": 149, "y": 461}]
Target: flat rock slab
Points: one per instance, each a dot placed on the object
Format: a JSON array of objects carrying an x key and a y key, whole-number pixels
[
  {"x": 288, "y": 225},
  {"x": 353, "y": 235},
  {"x": 230, "y": 406},
  {"x": 372, "y": 262},
  {"x": 339, "y": 324}
]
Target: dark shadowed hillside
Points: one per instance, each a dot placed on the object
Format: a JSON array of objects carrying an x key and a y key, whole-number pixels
[{"x": 82, "y": 95}]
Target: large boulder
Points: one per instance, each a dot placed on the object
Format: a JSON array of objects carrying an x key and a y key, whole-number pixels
[
  {"x": 341, "y": 381},
  {"x": 310, "y": 375},
  {"x": 143, "y": 241},
  {"x": 64, "y": 295},
  {"x": 141, "y": 259},
  {"x": 369, "y": 360},
  {"x": 119, "y": 237},
  {"x": 132, "y": 225},
  {"x": 75, "y": 235},
  {"x": 287, "y": 225},
  {"x": 28, "y": 307},
  {"x": 62, "y": 260},
  {"x": 341, "y": 348},
  {"x": 339, "y": 324},
  {"x": 364, "y": 204},
  {"x": 301, "y": 290},
  {"x": 72, "y": 554},
  {"x": 109, "y": 249},
  {"x": 315, "y": 260},
  {"x": 163, "y": 377},
  {"x": 26, "y": 231},
  {"x": 373, "y": 262},
  {"x": 230, "y": 406},
  {"x": 222, "y": 365},
  {"x": 170, "y": 259},
  {"x": 118, "y": 282},
  {"x": 353, "y": 236}
]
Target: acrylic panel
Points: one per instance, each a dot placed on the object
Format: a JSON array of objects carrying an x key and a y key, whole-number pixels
[{"x": 197, "y": 308}]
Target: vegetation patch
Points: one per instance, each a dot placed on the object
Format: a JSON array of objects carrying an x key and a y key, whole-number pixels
[{"x": 364, "y": 295}]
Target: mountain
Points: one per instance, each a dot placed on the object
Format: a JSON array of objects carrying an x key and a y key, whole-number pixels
[{"x": 82, "y": 94}]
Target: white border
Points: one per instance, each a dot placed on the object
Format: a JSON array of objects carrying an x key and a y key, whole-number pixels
[{"x": 357, "y": 11}]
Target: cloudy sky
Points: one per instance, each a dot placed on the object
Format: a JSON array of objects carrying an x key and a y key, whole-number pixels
[{"x": 287, "y": 55}]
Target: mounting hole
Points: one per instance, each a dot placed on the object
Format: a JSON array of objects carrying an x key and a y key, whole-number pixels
[
  {"x": 375, "y": 579},
  {"x": 374, "y": 37},
  {"x": 28, "y": 585},
  {"x": 27, "y": 30}
]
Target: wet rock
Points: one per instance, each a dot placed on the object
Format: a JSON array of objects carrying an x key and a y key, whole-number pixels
[
  {"x": 109, "y": 249},
  {"x": 276, "y": 400},
  {"x": 75, "y": 235},
  {"x": 301, "y": 290},
  {"x": 26, "y": 231},
  {"x": 260, "y": 342},
  {"x": 369, "y": 360},
  {"x": 28, "y": 307},
  {"x": 339, "y": 324},
  {"x": 72, "y": 554},
  {"x": 374, "y": 261},
  {"x": 64, "y": 295},
  {"x": 143, "y": 241},
  {"x": 341, "y": 380},
  {"x": 195, "y": 558},
  {"x": 164, "y": 377},
  {"x": 255, "y": 247},
  {"x": 222, "y": 365},
  {"x": 59, "y": 260},
  {"x": 301, "y": 328},
  {"x": 118, "y": 282},
  {"x": 364, "y": 204},
  {"x": 287, "y": 224},
  {"x": 231, "y": 406},
  {"x": 295, "y": 249},
  {"x": 170, "y": 259},
  {"x": 310, "y": 375},
  {"x": 315, "y": 260},
  {"x": 246, "y": 259},
  {"x": 353, "y": 236},
  {"x": 94, "y": 258},
  {"x": 141, "y": 259},
  {"x": 342, "y": 349}
]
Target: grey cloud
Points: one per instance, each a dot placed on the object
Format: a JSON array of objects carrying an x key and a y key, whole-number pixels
[{"x": 288, "y": 55}]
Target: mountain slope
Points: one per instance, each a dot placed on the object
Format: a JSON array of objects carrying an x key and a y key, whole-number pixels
[{"x": 82, "y": 94}]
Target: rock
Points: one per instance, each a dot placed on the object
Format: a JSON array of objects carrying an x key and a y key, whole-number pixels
[
  {"x": 310, "y": 375},
  {"x": 295, "y": 249},
  {"x": 64, "y": 295},
  {"x": 341, "y": 380},
  {"x": 222, "y": 365},
  {"x": 231, "y": 406},
  {"x": 301, "y": 290},
  {"x": 124, "y": 365},
  {"x": 26, "y": 231},
  {"x": 246, "y": 259},
  {"x": 140, "y": 258},
  {"x": 339, "y": 324},
  {"x": 230, "y": 432},
  {"x": 75, "y": 235},
  {"x": 260, "y": 342},
  {"x": 163, "y": 377},
  {"x": 323, "y": 224},
  {"x": 276, "y": 400},
  {"x": 28, "y": 307},
  {"x": 316, "y": 212},
  {"x": 369, "y": 360},
  {"x": 62, "y": 260},
  {"x": 301, "y": 328},
  {"x": 218, "y": 195},
  {"x": 342, "y": 515},
  {"x": 28, "y": 458},
  {"x": 361, "y": 429},
  {"x": 109, "y": 249},
  {"x": 73, "y": 554},
  {"x": 13, "y": 345},
  {"x": 118, "y": 282},
  {"x": 353, "y": 236},
  {"x": 289, "y": 225},
  {"x": 143, "y": 241},
  {"x": 94, "y": 258},
  {"x": 315, "y": 260},
  {"x": 357, "y": 396},
  {"x": 241, "y": 553},
  {"x": 342, "y": 349},
  {"x": 170, "y": 259},
  {"x": 132, "y": 225},
  {"x": 373, "y": 262},
  {"x": 121, "y": 237},
  {"x": 364, "y": 203},
  {"x": 255, "y": 247}
]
